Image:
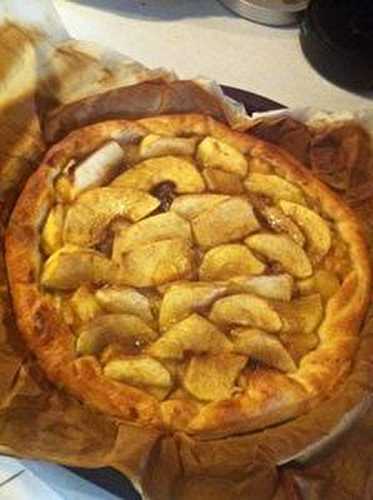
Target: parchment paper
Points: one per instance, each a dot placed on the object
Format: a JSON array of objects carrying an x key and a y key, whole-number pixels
[{"x": 41, "y": 70}]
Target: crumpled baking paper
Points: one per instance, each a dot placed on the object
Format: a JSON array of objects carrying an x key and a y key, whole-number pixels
[{"x": 41, "y": 70}]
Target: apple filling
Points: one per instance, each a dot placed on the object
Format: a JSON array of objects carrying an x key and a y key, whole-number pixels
[{"x": 179, "y": 270}]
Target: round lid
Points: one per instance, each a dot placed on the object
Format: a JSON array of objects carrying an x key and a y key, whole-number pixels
[
  {"x": 272, "y": 12},
  {"x": 337, "y": 39}
]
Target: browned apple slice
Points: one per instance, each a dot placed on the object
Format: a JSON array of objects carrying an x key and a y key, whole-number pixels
[
  {"x": 280, "y": 223},
  {"x": 301, "y": 315},
  {"x": 127, "y": 330},
  {"x": 277, "y": 286},
  {"x": 191, "y": 205},
  {"x": 228, "y": 221},
  {"x": 159, "y": 227},
  {"x": 326, "y": 283},
  {"x": 247, "y": 310},
  {"x": 222, "y": 182},
  {"x": 85, "y": 305},
  {"x": 51, "y": 236},
  {"x": 141, "y": 371},
  {"x": 71, "y": 267},
  {"x": 214, "y": 153},
  {"x": 273, "y": 186},
  {"x": 125, "y": 300},
  {"x": 280, "y": 248},
  {"x": 226, "y": 261},
  {"x": 92, "y": 212},
  {"x": 149, "y": 173},
  {"x": 195, "y": 334},
  {"x": 212, "y": 377},
  {"x": 259, "y": 166},
  {"x": 184, "y": 298},
  {"x": 262, "y": 347},
  {"x": 99, "y": 168},
  {"x": 314, "y": 227},
  {"x": 157, "y": 263},
  {"x": 298, "y": 344},
  {"x": 157, "y": 145}
]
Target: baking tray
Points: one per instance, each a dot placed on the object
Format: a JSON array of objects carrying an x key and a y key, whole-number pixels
[{"x": 107, "y": 478}]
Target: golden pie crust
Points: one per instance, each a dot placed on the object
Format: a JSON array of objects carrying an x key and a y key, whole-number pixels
[{"x": 238, "y": 307}]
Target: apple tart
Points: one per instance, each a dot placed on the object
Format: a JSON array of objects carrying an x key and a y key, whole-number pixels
[{"x": 174, "y": 273}]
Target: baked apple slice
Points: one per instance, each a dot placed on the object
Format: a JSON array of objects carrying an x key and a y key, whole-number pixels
[
  {"x": 263, "y": 347},
  {"x": 194, "y": 334},
  {"x": 212, "y": 377},
  {"x": 317, "y": 231},
  {"x": 301, "y": 315},
  {"x": 154, "y": 145},
  {"x": 275, "y": 286},
  {"x": 246, "y": 310},
  {"x": 72, "y": 266},
  {"x": 273, "y": 186},
  {"x": 51, "y": 236},
  {"x": 280, "y": 223},
  {"x": 212, "y": 152},
  {"x": 191, "y": 205},
  {"x": 228, "y": 221},
  {"x": 99, "y": 168},
  {"x": 181, "y": 299},
  {"x": 159, "y": 227},
  {"x": 157, "y": 263},
  {"x": 127, "y": 330},
  {"x": 88, "y": 217},
  {"x": 85, "y": 305},
  {"x": 280, "y": 248},
  {"x": 149, "y": 173},
  {"x": 326, "y": 283},
  {"x": 226, "y": 261},
  {"x": 125, "y": 300},
  {"x": 141, "y": 371},
  {"x": 222, "y": 182}
]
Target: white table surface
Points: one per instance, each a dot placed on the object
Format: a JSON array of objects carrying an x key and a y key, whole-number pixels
[
  {"x": 201, "y": 37},
  {"x": 195, "y": 38}
]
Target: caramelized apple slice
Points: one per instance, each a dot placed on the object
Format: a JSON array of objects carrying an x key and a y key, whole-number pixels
[
  {"x": 262, "y": 347},
  {"x": 280, "y": 223},
  {"x": 157, "y": 145},
  {"x": 222, "y": 182},
  {"x": 277, "y": 287},
  {"x": 191, "y": 205},
  {"x": 71, "y": 267},
  {"x": 230, "y": 220},
  {"x": 124, "y": 329},
  {"x": 85, "y": 305},
  {"x": 92, "y": 212},
  {"x": 159, "y": 227},
  {"x": 157, "y": 263},
  {"x": 226, "y": 261},
  {"x": 298, "y": 344},
  {"x": 214, "y": 153},
  {"x": 273, "y": 186},
  {"x": 211, "y": 378},
  {"x": 51, "y": 236},
  {"x": 184, "y": 298},
  {"x": 195, "y": 334},
  {"x": 99, "y": 168},
  {"x": 147, "y": 174},
  {"x": 126, "y": 301},
  {"x": 141, "y": 371},
  {"x": 301, "y": 315},
  {"x": 326, "y": 283},
  {"x": 246, "y": 310},
  {"x": 280, "y": 248},
  {"x": 315, "y": 228}
]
